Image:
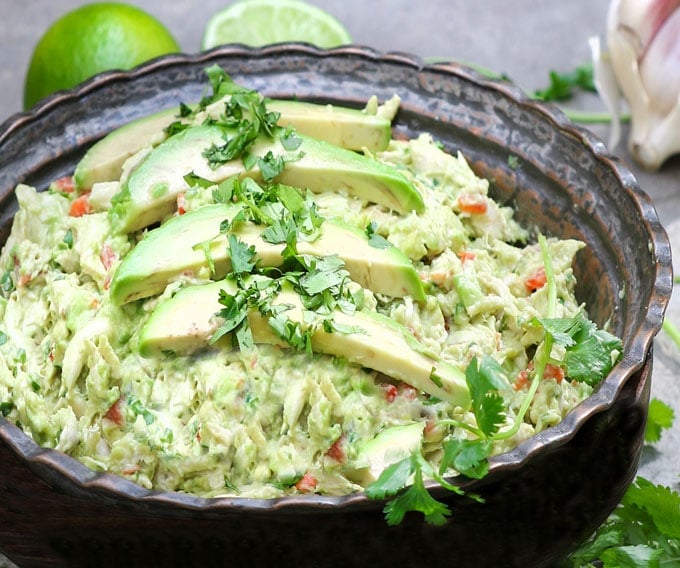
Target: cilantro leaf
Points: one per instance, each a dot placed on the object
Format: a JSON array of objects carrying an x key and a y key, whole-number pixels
[
  {"x": 563, "y": 85},
  {"x": 660, "y": 503},
  {"x": 234, "y": 313},
  {"x": 660, "y": 417},
  {"x": 194, "y": 180},
  {"x": 290, "y": 139},
  {"x": 644, "y": 530},
  {"x": 322, "y": 274},
  {"x": 175, "y": 127},
  {"x": 392, "y": 480},
  {"x": 291, "y": 198},
  {"x": 331, "y": 326},
  {"x": 224, "y": 191},
  {"x": 590, "y": 352},
  {"x": 270, "y": 165},
  {"x": 282, "y": 230},
  {"x": 244, "y": 335},
  {"x": 484, "y": 381},
  {"x": 236, "y": 143},
  {"x": 242, "y": 255},
  {"x": 6, "y": 408},
  {"x": 416, "y": 497},
  {"x": 291, "y": 332},
  {"x": 374, "y": 239},
  {"x": 590, "y": 359},
  {"x": 561, "y": 329},
  {"x": 638, "y": 556},
  {"x": 468, "y": 457}
]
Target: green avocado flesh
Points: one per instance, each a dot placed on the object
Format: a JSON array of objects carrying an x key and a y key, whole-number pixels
[
  {"x": 189, "y": 243},
  {"x": 186, "y": 322},
  {"x": 104, "y": 160},
  {"x": 348, "y": 128},
  {"x": 150, "y": 192},
  {"x": 389, "y": 446}
]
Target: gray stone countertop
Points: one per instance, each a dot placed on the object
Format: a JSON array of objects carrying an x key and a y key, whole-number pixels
[{"x": 523, "y": 39}]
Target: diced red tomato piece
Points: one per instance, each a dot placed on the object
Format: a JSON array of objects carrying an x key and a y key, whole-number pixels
[
  {"x": 473, "y": 203},
  {"x": 337, "y": 450},
  {"x": 550, "y": 372},
  {"x": 307, "y": 484},
  {"x": 115, "y": 413},
  {"x": 64, "y": 185},
  {"x": 522, "y": 380},
  {"x": 181, "y": 204},
  {"x": 107, "y": 255},
  {"x": 536, "y": 280},
  {"x": 466, "y": 255},
  {"x": 390, "y": 391},
  {"x": 131, "y": 469},
  {"x": 408, "y": 392},
  {"x": 553, "y": 372},
  {"x": 80, "y": 206}
]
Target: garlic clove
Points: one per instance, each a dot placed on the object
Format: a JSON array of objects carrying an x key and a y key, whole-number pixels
[
  {"x": 660, "y": 67},
  {"x": 658, "y": 143},
  {"x": 643, "y": 40},
  {"x": 642, "y": 19}
]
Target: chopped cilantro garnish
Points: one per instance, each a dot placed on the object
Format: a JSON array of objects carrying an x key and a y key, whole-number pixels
[
  {"x": 290, "y": 139},
  {"x": 138, "y": 409},
  {"x": 374, "y": 239},
  {"x": 7, "y": 282},
  {"x": 68, "y": 238},
  {"x": 6, "y": 408},
  {"x": 243, "y": 257}
]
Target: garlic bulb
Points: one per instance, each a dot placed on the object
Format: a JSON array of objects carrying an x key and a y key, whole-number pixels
[{"x": 643, "y": 49}]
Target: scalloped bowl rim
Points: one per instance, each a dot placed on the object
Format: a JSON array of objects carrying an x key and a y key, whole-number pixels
[{"x": 635, "y": 357}]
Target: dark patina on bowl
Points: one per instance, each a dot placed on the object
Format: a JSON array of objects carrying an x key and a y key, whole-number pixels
[{"x": 541, "y": 499}]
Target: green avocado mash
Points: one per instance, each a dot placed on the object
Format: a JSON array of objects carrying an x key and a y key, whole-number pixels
[{"x": 268, "y": 419}]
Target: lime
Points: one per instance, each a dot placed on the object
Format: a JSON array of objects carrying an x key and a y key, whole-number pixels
[
  {"x": 262, "y": 22},
  {"x": 88, "y": 40}
]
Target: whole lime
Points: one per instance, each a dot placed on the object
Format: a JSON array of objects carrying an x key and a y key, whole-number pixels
[{"x": 91, "y": 39}]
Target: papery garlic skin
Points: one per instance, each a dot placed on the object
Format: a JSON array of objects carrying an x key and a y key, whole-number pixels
[{"x": 643, "y": 41}]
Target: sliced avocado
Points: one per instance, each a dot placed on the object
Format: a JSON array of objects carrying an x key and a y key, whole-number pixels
[
  {"x": 186, "y": 322},
  {"x": 173, "y": 249},
  {"x": 388, "y": 447},
  {"x": 150, "y": 192},
  {"x": 348, "y": 128},
  {"x": 104, "y": 160}
]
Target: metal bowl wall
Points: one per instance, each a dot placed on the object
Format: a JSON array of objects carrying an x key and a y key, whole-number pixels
[{"x": 541, "y": 499}]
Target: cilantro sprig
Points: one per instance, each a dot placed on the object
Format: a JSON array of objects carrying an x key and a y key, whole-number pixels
[
  {"x": 588, "y": 354},
  {"x": 643, "y": 531}
]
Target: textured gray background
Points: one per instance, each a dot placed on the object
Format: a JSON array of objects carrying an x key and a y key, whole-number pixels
[{"x": 524, "y": 39}]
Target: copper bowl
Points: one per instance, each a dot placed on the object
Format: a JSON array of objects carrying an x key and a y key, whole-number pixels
[{"x": 541, "y": 499}]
